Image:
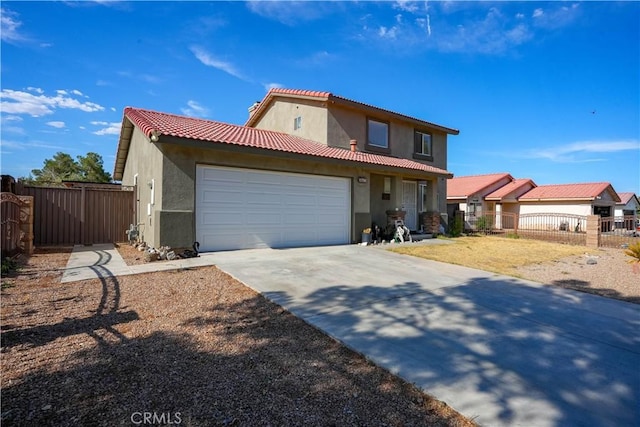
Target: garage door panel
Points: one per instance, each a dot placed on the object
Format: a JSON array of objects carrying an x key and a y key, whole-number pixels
[
  {"x": 264, "y": 219},
  {"x": 221, "y": 218},
  {"x": 245, "y": 208}
]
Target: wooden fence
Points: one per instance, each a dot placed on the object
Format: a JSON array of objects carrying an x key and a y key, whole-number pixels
[
  {"x": 68, "y": 216},
  {"x": 10, "y": 206}
]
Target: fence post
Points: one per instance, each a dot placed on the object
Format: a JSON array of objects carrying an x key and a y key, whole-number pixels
[{"x": 593, "y": 231}]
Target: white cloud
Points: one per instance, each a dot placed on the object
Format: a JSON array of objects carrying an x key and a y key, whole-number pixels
[
  {"x": 580, "y": 151},
  {"x": 269, "y": 86},
  {"x": 195, "y": 109},
  {"x": 26, "y": 145},
  {"x": 210, "y": 61},
  {"x": 10, "y": 27},
  {"x": 407, "y": 6},
  {"x": 293, "y": 12},
  {"x": 389, "y": 33},
  {"x": 494, "y": 34},
  {"x": 317, "y": 59},
  {"x": 19, "y": 102},
  {"x": 5, "y": 119},
  {"x": 110, "y": 129},
  {"x": 77, "y": 92},
  {"x": 57, "y": 124},
  {"x": 467, "y": 27},
  {"x": 559, "y": 16}
]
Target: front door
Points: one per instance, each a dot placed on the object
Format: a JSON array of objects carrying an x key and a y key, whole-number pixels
[{"x": 410, "y": 203}]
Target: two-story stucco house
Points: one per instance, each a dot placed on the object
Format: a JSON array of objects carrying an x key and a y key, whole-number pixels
[{"x": 308, "y": 168}]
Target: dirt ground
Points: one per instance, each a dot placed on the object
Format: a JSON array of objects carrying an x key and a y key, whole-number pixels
[
  {"x": 191, "y": 347},
  {"x": 606, "y": 272}
]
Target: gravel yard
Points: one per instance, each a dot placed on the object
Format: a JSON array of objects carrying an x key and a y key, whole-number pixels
[
  {"x": 611, "y": 276},
  {"x": 191, "y": 347}
]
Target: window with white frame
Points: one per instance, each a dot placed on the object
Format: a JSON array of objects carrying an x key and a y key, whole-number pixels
[
  {"x": 377, "y": 134},
  {"x": 297, "y": 123},
  {"x": 422, "y": 197}
]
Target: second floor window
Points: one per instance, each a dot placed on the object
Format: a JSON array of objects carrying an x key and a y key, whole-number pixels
[
  {"x": 423, "y": 144},
  {"x": 377, "y": 134},
  {"x": 297, "y": 123}
]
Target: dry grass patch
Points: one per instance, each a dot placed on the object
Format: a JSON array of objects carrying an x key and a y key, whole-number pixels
[{"x": 496, "y": 254}]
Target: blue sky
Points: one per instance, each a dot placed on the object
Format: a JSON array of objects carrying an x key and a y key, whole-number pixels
[{"x": 542, "y": 90}]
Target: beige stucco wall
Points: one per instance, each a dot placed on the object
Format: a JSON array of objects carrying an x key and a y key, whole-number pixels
[
  {"x": 336, "y": 126},
  {"x": 180, "y": 175},
  {"x": 281, "y": 114},
  {"x": 345, "y": 124},
  {"x": 145, "y": 159},
  {"x": 579, "y": 208}
]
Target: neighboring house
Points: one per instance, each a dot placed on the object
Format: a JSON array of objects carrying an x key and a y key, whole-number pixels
[
  {"x": 626, "y": 211},
  {"x": 506, "y": 198},
  {"x": 234, "y": 187},
  {"x": 573, "y": 199},
  {"x": 468, "y": 193}
]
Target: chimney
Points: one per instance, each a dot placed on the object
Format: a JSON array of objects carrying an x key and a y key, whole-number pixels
[
  {"x": 253, "y": 108},
  {"x": 354, "y": 145}
]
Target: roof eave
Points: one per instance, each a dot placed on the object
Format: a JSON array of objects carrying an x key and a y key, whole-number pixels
[
  {"x": 370, "y": 108},
  {"x": 122, "y": 152}
]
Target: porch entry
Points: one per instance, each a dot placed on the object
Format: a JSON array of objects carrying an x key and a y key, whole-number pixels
[{"x": 410, "y": 204}]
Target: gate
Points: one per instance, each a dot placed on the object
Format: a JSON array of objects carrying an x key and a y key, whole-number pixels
[
  {"x": 68, "y": 216},
  {"x": 10, "y": 206},
  {"x": 616, "y": 232}
]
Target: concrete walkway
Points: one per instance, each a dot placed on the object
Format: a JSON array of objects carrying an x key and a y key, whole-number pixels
[
  {"x": 93, "y": 262},
  {"x": 506, "y": 352}
]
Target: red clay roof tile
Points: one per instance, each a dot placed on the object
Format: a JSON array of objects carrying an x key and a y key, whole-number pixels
[
  {"x": 511, "y": 189},
  {"x": 223, "y": 133},
  {"x": 262, "y": 106},
  {"x": 464, "y": 186},
  {"x": 581, "y": 191},
  {"x": 626, "y": 197}
]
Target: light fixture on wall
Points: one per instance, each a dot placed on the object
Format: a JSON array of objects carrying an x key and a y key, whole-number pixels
[
  {"x": 362, "y": 179},
  {"x": 155, "y": 135}
]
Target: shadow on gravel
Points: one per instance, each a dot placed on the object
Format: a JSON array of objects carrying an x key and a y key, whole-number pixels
[
  {"x": 288, "y": 374},
  {"x": 584, "y": 286}
]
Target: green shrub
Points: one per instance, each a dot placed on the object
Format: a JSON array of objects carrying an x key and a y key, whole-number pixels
[
  {"x": 457, "y": 227},
  {"x": 8, "y": 265},
  {"x": 484, "y": 223}
]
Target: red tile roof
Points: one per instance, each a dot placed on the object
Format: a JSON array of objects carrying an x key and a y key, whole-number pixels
[
  {"x": 626, "y": 197},
  {"x": 511, "y": 189},
  {"x": 583, "y": 191},
  {"x": 151, "y": 122},
  {"x": 465, "y": 186},
  {"x": 328, "y": 96}
]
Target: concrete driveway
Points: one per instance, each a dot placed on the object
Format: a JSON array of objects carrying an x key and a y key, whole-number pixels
[{"x": 503, "y": 351}]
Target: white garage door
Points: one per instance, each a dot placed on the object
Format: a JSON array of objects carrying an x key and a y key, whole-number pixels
[{"x": 247, "y": 208}]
